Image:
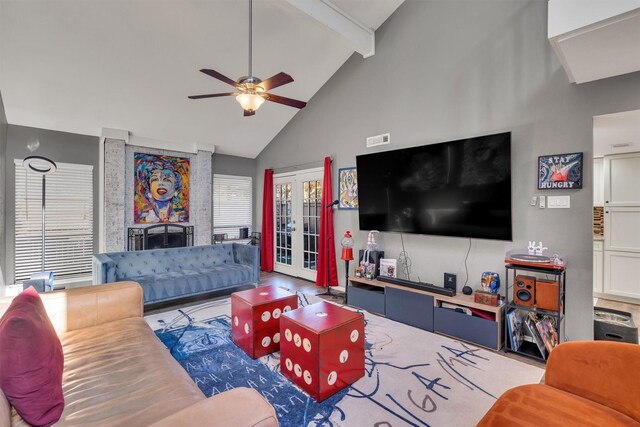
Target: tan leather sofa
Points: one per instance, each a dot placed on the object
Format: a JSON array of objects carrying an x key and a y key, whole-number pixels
[{"x": 118, "y": 373}]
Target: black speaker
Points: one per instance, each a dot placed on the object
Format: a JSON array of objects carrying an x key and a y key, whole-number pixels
[
  {"x": 374, "y": 258},
  {"x": 450, "y": 282}
]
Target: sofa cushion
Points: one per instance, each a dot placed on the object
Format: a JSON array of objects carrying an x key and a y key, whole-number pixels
[
  {"x": 161, "y": 261},
  {"x": 541, "y": 405},
  {"x": 31, "y": 360},
  {"x": 120, "y": 374}
]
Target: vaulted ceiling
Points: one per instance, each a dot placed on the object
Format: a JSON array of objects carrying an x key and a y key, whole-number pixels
[{"x": 80, "y": 66}]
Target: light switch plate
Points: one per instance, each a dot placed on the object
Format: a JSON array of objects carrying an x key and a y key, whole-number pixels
[
  {"x": 559, "y": 202},
  {"x": 542, "y": 200},
  {"x": 534, "y": 200}
]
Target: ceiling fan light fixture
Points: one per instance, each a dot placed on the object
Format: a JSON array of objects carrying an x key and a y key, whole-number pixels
[{"x": 250, "y": 101}]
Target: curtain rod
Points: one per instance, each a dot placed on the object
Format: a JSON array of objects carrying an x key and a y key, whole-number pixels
[{"x": 303, "y": 166}]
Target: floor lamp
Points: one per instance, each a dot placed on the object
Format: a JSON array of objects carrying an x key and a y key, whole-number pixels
[
  {"x": 41, "y": 166},
  {"x": 328, "y": 291}
]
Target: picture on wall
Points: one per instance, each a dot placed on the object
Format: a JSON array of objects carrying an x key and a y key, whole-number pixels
[
  {"x": 560, "y": 171},
  {"x": 161, "y": 192},
  {"x": 348, "y": 181}
]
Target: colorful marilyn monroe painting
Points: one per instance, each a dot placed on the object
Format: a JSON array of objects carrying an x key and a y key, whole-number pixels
[{"x": 161, "y": 189}]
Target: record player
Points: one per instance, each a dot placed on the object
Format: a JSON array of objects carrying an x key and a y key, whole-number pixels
[{"x": 542, "y": 259}]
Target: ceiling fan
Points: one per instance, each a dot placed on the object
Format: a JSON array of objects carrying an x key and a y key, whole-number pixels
[{"x": 251, "y": 91}]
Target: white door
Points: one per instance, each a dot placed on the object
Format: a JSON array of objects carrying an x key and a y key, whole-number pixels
[
  {"x": 598, "y": 265},
  {"x": 598, "y": 182},
  {"x": 297, "y": 206},
  {"x": 621, "y": 272},
  {"x": 621, "y": 177},
  {"x": 622, "y": 228}
]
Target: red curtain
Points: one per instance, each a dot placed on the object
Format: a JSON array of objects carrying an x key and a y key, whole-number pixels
[
  {"x": 326, "y": 237},
  {"x": 266, "y": 243}
]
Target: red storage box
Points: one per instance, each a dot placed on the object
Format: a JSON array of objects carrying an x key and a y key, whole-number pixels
[
  {"x": 255, "y": 318},
  {"x": 322, "y": 348}
]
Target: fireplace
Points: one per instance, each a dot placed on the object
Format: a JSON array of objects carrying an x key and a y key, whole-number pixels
[{"x": 159, "y": 237}]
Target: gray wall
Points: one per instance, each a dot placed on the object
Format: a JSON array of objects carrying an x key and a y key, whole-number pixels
[
  {"x": 3, "y": 153},
  {"x": 445, "y": 70},
  {"x": 58, "y": 146},
  {"x": 239, "y": 166}
]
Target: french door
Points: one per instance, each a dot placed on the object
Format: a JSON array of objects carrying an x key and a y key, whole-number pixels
[{"x": 296, "y": 219}]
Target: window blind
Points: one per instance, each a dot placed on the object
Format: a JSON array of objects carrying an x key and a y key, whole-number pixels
[
  {"x": 232, "y": 204},
  {"x": 69, "y": 221}
]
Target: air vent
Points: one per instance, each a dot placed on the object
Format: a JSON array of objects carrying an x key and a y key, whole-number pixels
[
  {"x": 374, "y": 141},
  {"x": 622, "y": 145}
]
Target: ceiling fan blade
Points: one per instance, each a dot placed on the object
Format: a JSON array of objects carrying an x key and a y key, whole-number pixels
[
  {"x": 286, "y": 101},
  {"x": 217, "y": 75},
  {"x": 213, "y": 95},
  {"x": 278, "y": 80},
  {"x": 248, "y": 113}
]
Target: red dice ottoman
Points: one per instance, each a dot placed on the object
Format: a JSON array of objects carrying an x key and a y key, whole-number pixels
[
  {"x": 255, "y": 318},
  {"x": 322, "y": 350}
]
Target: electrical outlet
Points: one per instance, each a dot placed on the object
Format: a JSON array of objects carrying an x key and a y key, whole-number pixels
[
  {"x": 542, "y": 202},
  {"x": 534, "y": 200}
]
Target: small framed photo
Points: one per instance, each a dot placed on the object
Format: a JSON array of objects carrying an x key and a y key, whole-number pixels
[
  {"x": 348, "y": 182},
  {"x": 560, "y": 171},
  {"x": 388, "y": 267}
]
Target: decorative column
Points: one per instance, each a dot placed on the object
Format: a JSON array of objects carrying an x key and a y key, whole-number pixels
[
  {"x": 114, "y": 195},
  {"x": 201, "y": 209}
]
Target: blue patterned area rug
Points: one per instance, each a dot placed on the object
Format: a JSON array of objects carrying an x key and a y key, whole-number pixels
[{"x": 412, "y": 377}]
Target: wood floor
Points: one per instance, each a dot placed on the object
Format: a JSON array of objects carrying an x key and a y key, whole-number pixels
[{"x": 300, "y": 285}]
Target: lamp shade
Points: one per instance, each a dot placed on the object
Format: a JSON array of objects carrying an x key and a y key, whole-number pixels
[{"x": 250, "y": 101}]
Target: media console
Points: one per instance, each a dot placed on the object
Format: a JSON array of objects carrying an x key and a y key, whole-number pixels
[
  {"x": 417, "y": 285},
  {"x": 424, "y": 309}
]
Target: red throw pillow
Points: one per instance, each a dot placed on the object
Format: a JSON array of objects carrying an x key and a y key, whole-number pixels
[{"x": 31, "y": 360}]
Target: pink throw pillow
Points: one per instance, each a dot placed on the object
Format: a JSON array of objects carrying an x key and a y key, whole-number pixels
[{"x": 31, "y": 360}]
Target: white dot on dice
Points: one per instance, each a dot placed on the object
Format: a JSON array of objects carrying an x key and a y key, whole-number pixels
[
  {"x": 306, "y": 344},
  {"x": 266, "y": 316},
  {"x": 297, "y": 340},
  {"x": 235, "y": 320},
  {"x": 298, "y": 370},
  {"x": 276, "y": 338},
  {"x": 266, "y": 341},
  {"x": 287, "y": 308},
  {"x": 287, "y": 334},
  {"x": 289, "y": 364},
  {"x": 246, "y": 328},
  {"x": 307, "y": 377},
  {"x": 276, "y": 313},
  {"x": 354, "y": 335},
  {"x": 333, "y": 376},
  {"x": 344, "y": 355}
]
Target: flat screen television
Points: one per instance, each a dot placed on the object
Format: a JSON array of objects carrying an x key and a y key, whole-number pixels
[{"x": 458, "y": 188}]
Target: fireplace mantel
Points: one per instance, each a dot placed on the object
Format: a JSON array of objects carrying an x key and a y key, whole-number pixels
[{"x": 159, "y": 236}]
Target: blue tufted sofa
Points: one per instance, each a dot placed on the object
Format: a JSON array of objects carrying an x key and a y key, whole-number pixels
[{"x": 165, "y": 274}]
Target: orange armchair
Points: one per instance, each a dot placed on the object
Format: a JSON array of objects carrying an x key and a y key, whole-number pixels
[{"x": 587, "y": 383}]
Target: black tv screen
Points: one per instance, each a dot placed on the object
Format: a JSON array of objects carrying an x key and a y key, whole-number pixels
[{"x": 457, "y": 188}]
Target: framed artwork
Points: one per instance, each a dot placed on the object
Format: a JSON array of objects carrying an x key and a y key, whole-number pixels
[
  {"x": 161, "y": 189},
  {"x": 560, "y": 171},
  {"x": 348, "y": 181}
]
